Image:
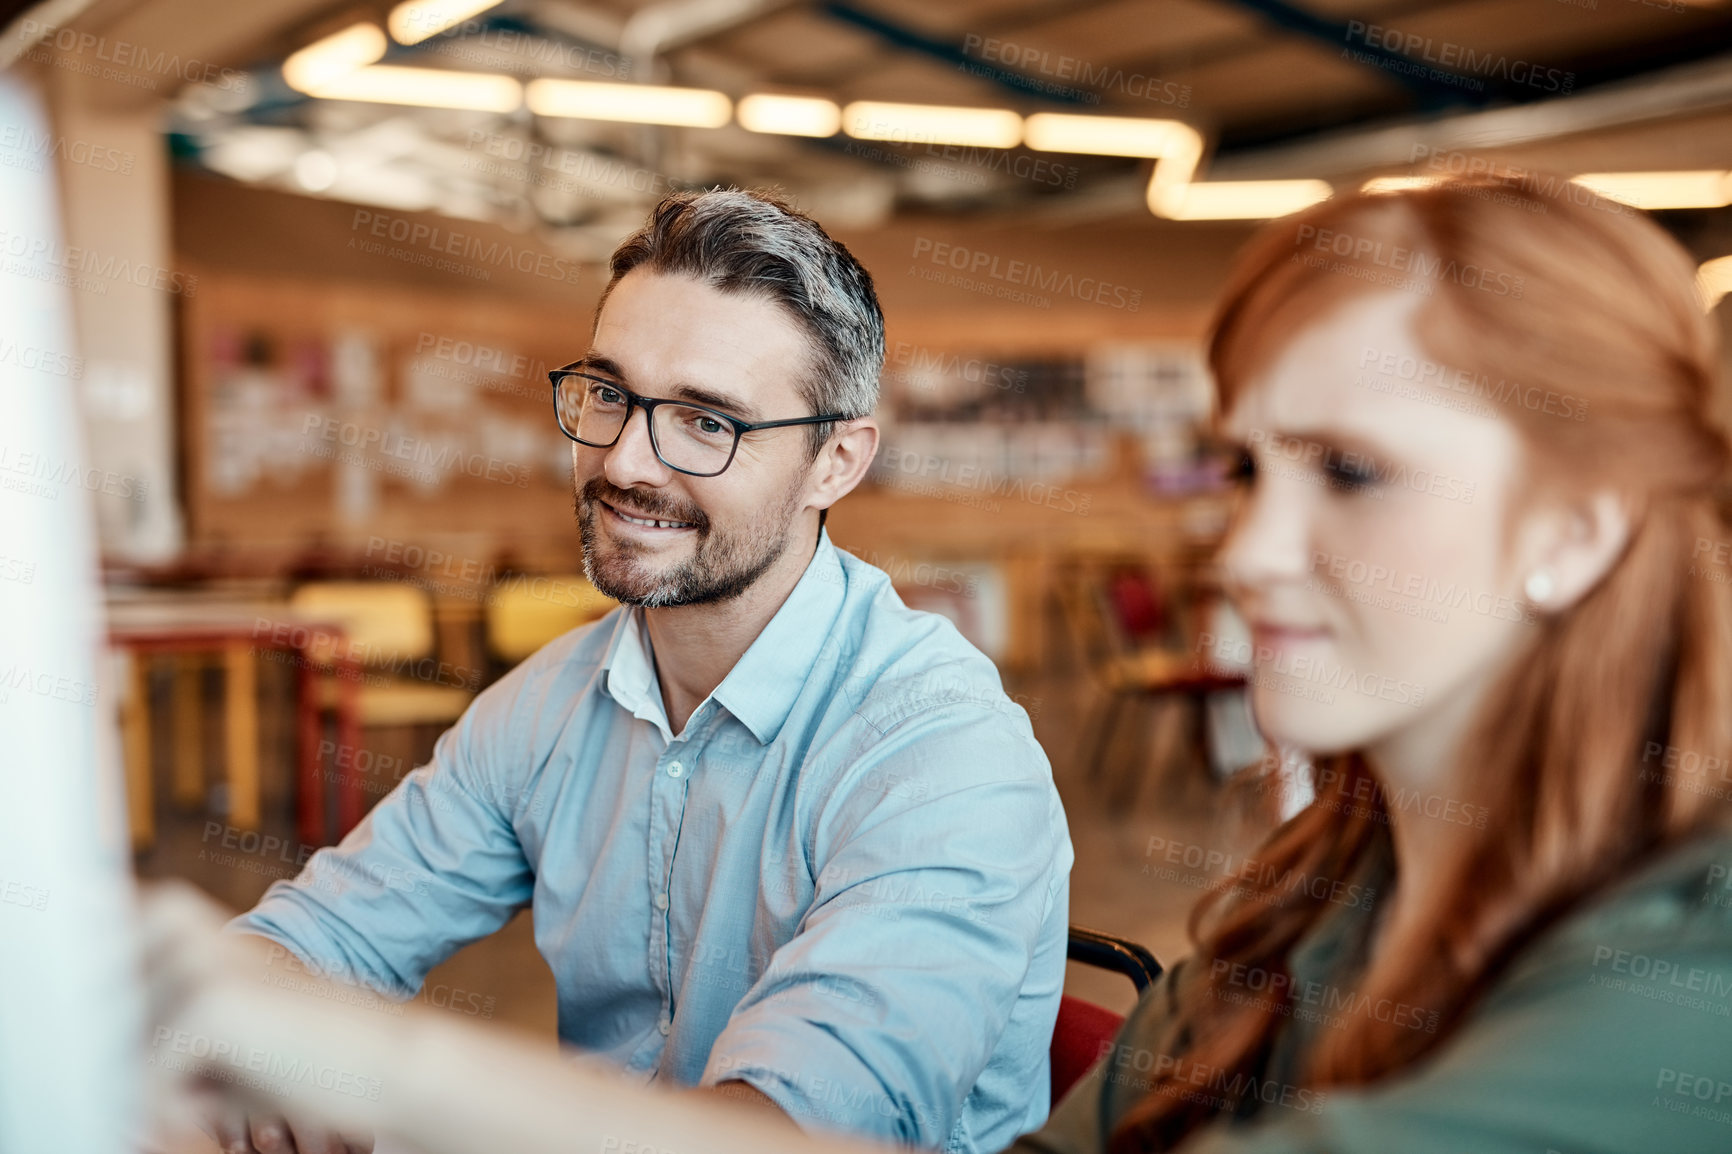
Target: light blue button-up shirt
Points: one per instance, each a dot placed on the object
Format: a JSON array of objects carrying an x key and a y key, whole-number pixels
[{"x": 844, "y": 882}]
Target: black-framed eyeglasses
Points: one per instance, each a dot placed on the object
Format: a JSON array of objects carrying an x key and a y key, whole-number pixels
[{"x": 692, "y": 439}]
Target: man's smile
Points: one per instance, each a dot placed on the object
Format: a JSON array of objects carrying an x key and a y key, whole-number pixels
[{"x": 653, "y": 524}]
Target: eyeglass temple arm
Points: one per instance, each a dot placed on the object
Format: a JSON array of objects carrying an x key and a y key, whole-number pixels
[{"x": 753, "y": 426}]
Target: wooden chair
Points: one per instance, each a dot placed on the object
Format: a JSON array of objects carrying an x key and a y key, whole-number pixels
[{"x": 388, "y": 668}]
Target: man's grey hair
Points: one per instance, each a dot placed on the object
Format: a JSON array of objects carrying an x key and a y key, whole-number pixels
[{"x": 744, "y": 241}]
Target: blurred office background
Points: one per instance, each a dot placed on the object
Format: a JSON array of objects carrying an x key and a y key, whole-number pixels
[{"x": 321, "y": 255}]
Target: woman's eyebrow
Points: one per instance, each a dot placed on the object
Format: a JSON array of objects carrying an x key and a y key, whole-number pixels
[{"x": 1326, "y": 439}]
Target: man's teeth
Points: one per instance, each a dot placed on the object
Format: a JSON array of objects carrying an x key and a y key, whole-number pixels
[{"x": 654, "y": 524}]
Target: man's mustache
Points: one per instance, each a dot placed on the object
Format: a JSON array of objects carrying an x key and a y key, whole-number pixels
[{"x": 646, "y": 501}]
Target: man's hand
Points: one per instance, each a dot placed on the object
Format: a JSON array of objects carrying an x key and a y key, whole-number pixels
[{"x": 186, "y": 956}]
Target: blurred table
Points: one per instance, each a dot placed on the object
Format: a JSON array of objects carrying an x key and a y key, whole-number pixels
[{"x": 188, "y": 625}]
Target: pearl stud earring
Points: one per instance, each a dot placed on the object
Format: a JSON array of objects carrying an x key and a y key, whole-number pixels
[{"x": 1539, "y": 586}]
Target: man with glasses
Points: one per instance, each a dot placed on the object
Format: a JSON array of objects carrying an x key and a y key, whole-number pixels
[{"x": 783, "y": 838}]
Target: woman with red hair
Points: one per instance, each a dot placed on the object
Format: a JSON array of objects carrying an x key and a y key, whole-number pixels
[
  {"x": 1482, "y": 467},
  {"x": 1483, "y": 565}
]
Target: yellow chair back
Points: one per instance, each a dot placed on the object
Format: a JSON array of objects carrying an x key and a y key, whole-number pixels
[
  {"x": 526, "y": 611},
  {"x": 386, "y": 622}
]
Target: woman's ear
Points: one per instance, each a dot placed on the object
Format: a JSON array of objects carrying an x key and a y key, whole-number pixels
[{"x": 1574, "y": 545}]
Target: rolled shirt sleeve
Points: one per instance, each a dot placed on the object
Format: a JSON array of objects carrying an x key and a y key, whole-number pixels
[
  {"x": 435, "y": 865},
  {"x": 941, "y": 863}
]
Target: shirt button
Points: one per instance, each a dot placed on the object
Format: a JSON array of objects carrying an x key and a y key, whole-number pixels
[
  {"x": 675, "y": 769},
  {"x": 661, "y": 901},
  {"x": 664, "y": 1024}
]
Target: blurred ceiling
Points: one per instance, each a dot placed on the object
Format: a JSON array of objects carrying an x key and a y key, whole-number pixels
[{"x": 1335, "y": 89}]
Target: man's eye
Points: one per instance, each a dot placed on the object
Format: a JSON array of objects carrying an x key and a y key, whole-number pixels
[
  {"x": 606, "y": 394},
  {"x": 710, "y": 428}
]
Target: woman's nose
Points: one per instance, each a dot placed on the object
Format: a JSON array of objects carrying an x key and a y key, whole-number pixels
[{"x": 1269, "y": 539}]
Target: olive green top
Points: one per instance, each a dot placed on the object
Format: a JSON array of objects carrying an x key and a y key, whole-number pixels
[{"x": 1611, "y": 1033}]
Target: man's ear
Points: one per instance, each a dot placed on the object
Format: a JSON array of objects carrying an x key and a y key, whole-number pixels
[
  {"x": 1576, "y": 544},
  {"x": 842, "y": 463}
]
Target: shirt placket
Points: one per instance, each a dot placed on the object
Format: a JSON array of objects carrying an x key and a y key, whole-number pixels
[{"x": 668, "y": 793}]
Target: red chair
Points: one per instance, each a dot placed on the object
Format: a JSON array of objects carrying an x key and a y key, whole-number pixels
[
  {"x": 1120, "y": 622},
  {"x": 1083, "y": 1029},
  {"x": 1136, "y": 604}
]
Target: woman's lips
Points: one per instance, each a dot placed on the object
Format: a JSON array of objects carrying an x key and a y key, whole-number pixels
[{"x": 1267, "y": 636}]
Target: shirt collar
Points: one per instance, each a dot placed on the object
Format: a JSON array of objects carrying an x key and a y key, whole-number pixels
[
  {"x": 630, "y": 673},
  {"x": 761, "y": 688},
  {"x": 763, "y": 685}
]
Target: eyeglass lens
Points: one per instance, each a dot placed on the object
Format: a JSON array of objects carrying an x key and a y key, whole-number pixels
[{"x": 687, "y": 438}]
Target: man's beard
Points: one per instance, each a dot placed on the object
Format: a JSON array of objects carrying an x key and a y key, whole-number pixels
[{"x": 724, "y": 565}]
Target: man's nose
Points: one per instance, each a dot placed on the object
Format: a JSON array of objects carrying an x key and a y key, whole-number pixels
[{"x": 633, "y": 460}]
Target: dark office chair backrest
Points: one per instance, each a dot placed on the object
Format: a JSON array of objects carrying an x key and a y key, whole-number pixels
[{"x": 1084, "y": 1030}]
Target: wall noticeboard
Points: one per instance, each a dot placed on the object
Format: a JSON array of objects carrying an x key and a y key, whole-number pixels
[{"x": 329, "y": 415}]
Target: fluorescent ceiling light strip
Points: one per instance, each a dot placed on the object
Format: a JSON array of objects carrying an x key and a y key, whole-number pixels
[
  {"x": 426, "y": 88},
  {"x": 334, "y": 56},
  {"x": 1657, "y": 190},
  {"x": 1399, "y": 183},
  {"x": 1109, "y": 135},
  {"x": 1177, "y": 170},
  {"x": 415, "y": 20},
  {"x": 1237, "y": 199},
  {"x": 630, "y": 103},
  {"x": 932, "y": 124},
  {"x": 789, "y": 115}
]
